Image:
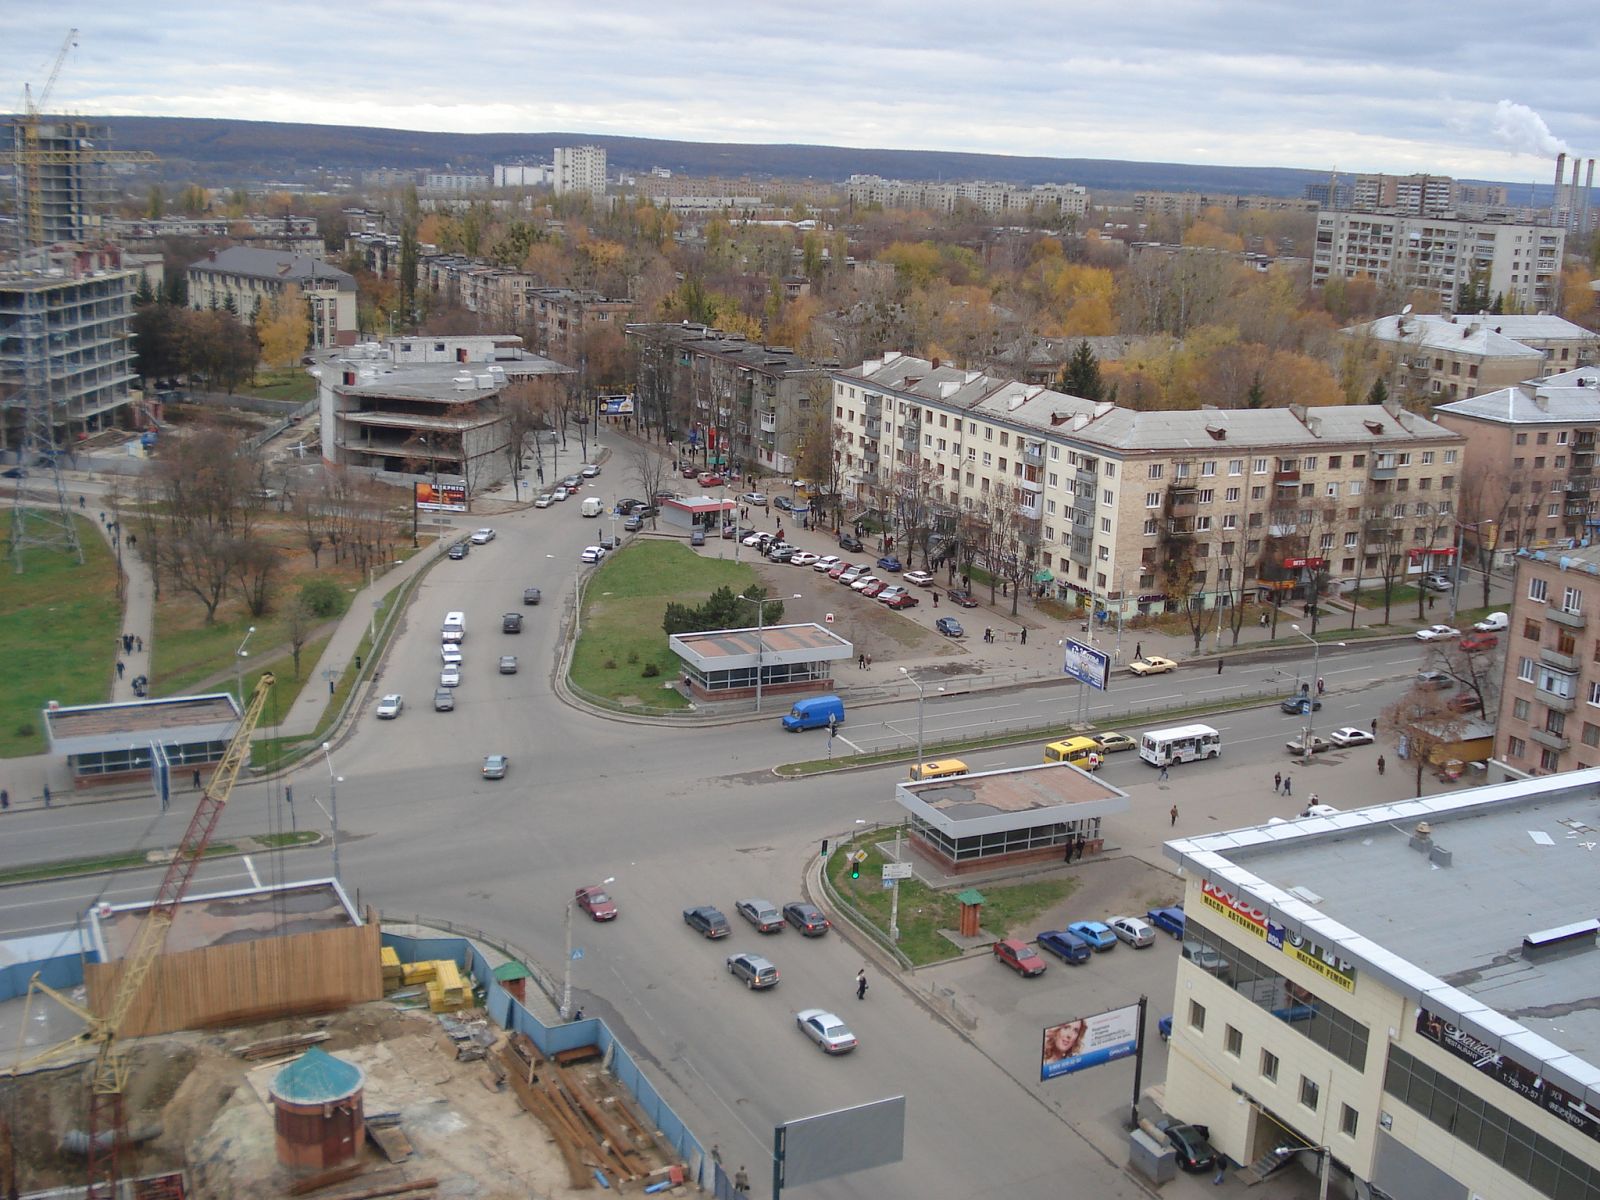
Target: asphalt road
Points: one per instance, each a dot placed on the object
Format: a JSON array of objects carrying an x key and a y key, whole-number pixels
[{"x": 682, "y": 817}]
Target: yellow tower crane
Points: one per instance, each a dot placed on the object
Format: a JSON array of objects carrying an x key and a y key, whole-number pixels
[{"x": 108, "y": 1079}]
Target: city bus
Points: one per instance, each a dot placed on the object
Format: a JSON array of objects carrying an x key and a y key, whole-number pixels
[{"x": 1179, "y": 743}]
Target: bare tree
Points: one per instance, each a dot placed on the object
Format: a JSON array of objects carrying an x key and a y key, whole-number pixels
[
  {"x": 650, "y": 472},
  {"x": 1424, "y": 724},
  {"x": 301, "y": 622},
  {"x": 526, "y": 407},
  {"x": 207, "y": 490}
]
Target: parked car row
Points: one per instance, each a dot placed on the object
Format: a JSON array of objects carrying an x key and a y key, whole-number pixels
[{"x": 1081, "y": 940}]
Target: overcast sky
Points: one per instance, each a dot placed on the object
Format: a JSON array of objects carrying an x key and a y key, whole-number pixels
[{"x": 1469, "y": 88}]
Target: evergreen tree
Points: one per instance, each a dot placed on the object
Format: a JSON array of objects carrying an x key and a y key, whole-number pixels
[
  {"x": 177, "y": 290},
  {"x": 1379, "y": 393},
  {"x": 1256, "y": 397},
  {"x": 144, "y": 293},
  {"x": 1082, "y": 375}
]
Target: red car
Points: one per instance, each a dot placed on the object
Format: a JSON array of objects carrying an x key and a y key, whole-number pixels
[
  {"x": 1479, "y": 641},
  {"x": 841, "y": 569},
  {"x": 1019, "y": 956},
  {"x": 872, "y": 589},
  {"x": 1466, "y": 702},
  {"x": 689, "y": 472},
  {"x": 709, "y": 479},
  {"x": 961, "y": 599},
  {"x": 595, "y": 902},
  {"x": 904, "y": 600}
]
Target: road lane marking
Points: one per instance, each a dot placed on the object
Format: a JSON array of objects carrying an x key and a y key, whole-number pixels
[{"x": 251, "y": 867}]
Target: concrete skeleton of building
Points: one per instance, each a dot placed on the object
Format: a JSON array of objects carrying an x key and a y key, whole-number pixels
[
  {"x": 1147, "y": 511},
  {"x": 1401, "y": 995},
  {"x": 1186, "y": 206},
  {"x": 1531, "y": 479},
  {"x": 1550, "y": 696},
  {"x": 1068, "y": 199},
  {"x": 749, "y": 405},
  {"x": 1443, "y": 358},
  {"x": 296, "y": 235},
  {"x": 243, "y": 278},
  {"x": 64, "y": 330},
  {"x": 580, "y": 169},
  {"x": 426, "y": 406},
  {"x": 1440, "y": 255},
  {"x": 73, "y": 187}
]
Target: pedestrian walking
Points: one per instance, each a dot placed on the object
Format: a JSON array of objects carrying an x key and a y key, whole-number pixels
[
  {"x": 1277, "y": 782},
  {"x": 861, "y": 984},
  {"x": 861, "y": 662},
  {"x": 869, "y": 660},
  {"x": 1219, "y": 666},
  {"x": 1070, "y": 841},
  {"x": 1222, "y": 1170},
  {"x": 138, "y": 644},
  {"x": 197, "y": 779},
  {"x": 1380, "y": 764},
  {"x": 936, "y": 599},
  {"x": 1161, "y": 777},
  {"x": 1263, "y": 621},
  {"x": 120, "y": 668},
  {"x": 965, "y": 582},
  {"x": 47, "y": 795},
  {"x": 127, "y": 643},
  {"x": 1138, "y": 649},
  {"x": 5, "y": 799},
  {"x": 1322, "y": 685},
  {"x": 1374, "y": 726},
  {"x": 133, "y": 540},
  {"x": 1173, "y": 813},
  {"x": 83, "y": 502},
  {"x": 716, "y": 1154},
  {"x": 1024, "y": 635},
  {"x": 1078, "y": 854},
  {"x": 741, "y": 1180},
  {"x": 1288, "y": 785}
]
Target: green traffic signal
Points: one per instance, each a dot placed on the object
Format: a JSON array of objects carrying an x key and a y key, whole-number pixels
[{"x": 855, "y": 870}]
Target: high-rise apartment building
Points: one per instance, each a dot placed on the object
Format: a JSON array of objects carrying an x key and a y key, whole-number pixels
[
  {"x": 72, "y": 186},
  {"x": 1521, "y": 263},
  {"x": 580, "y": 169},
  {"x": 1414, "y": 195}
]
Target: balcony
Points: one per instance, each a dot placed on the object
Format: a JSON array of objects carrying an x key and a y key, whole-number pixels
[
  {"x": 1182, "y": 501},
  {"x": 870, "y": 457},
  {"x": 1286, "y": 475},
  {"x": 874, "y": 428},
  {"x": 1030, "y": 485},
  {"x": 1561, "y": 662},
  {"x": 1562, "y": 704},
  {"x": 769, "y": 422},
  {"x": 1089, "y": 479},
  {"x": 1383, "y": 469},
  {"x": 1560, "y": 616},
  {"x": 1029, "y": 512},
  {"x": 1033, "y": 455},
  {"x": 872, "y": 402},
  {"x": 1580, "y": 483},
  {"x": 1550, "y": 741},
  {"x": 1281, "y": 530}
]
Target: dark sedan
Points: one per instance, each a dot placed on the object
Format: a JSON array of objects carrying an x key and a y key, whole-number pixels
[
  {"x": 1193, "y": 1144},
  {"x": 807, "y": 918},
  {"x": 706, "y": 921},
  {"x": 848, "y": 541},
  {"x": 950, "y": 627},
  {"x": 960, "y": 598},
  {"x": 1301, "y": 705}
]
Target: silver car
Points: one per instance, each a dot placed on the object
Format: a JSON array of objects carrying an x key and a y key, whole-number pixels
[
  {"x": 389, "y": 707},
  {"x": 1133, "y": 930},
  {"x": 826, "y": 1030},
  {"x": 757, "y": 972}
]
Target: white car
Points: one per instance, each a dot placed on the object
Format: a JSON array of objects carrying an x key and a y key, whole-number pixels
[
  {"x": 1133, "y": 931},
  {"x": 450, "y": 654},
  {"x": 826, "y": 1030},
  {"x": 543, "y": 500},
  {"x": 560, "y": 493},
  {"x": 1350, "y": 736},
  {"x": 593, "y": 554},
  {"x": 861, "y": 582},
  {"x": 753, "y": 498},
  {"x": 588, "y": 470},
  {"x": 1319, "y": 810},
  {"x": 1495, "y": 622},
  {"x": 849, "y": 577},
  {"x": 481, "y": 537},
  {"x": 803, "y": 558},
  {"x": 1437, "y": 633},
  {"x": 450, "y": 677},
  {"x": 826, "y": 563},
  {"x": 389, "y": 707},
  {"x": 756, "y": 538},
  {"x": 889, "y": 593},
  {"x": 918, "y": 578}
]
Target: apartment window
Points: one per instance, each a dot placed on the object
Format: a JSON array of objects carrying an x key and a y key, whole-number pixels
[
  {"x": 1150, "y": 527},
  {"x": 1104, "y": 554},
  {"x": 1205, "y": 496},
  {"x": 1351, "y": 540},
  {"x": 1516, "y": 748},
  {"x": 1154, "y": 471},
  {"x": 1354, "y": 487},
  {"x": 1521, "y": 439},
  {"x": 1004, "y": 438},
  {"x": 1152, "y": 499},
  {"x": 1269, "y": 1065},
  {"x": 1259, "y": 492},
  {"x": 1197, "y": 1015},
  {"x": 1561, "y": 438},
  {"x": 1335, "y": 461},
  {"x": 1236, "y": 466},
  {"x": 1230, "y": 521},
  {"x": 1348, "y": 1120},
  {"x": 1111, "y": 470},
  {"x": 988, "y": 433},
  {"x": 988, "y": 459},
  {"x": 1358, "y": 460},
  {"x": 1202, "y": 524},
  {"x": 1594, "y": 694},
  {"x": 1310, "y": 1093},
  {"x": 1525, "y": 673},
  {"x": 1259, "y": 466},
  {"x": 1449, "y": 457},
  {"x": 1108, "y": 497},
  {"x": 1538, "y": 590},
  {"x": 1231, "y": 496},
  {"x": 1519, "y": 709},
  {"x": 1591, "y": 734},
  {"x": 1232, "y": 1040},
  {"x": 1208, "y": 468},
  {"x": 1571, "y": 601},
  {"x": 1105, "y": 524},
  {"x": 1427, "y": 458},
  {"x": 1544, "y": 439},
  {"x": 1549, "y": 760}
]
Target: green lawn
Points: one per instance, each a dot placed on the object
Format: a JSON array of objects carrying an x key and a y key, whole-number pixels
[
  {"x": 59, "y": 624},
  {"x": 287, "y": 383},
  {"x": 622, "y": 610},
  {"x": 923, "y": 911}
]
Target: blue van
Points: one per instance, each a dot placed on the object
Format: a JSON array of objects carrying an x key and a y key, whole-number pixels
[
  {"x": 1066, "y": 945},
  {"x": 814, "y": 713}
]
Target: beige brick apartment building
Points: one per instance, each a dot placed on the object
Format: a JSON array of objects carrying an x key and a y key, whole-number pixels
[{"x": 1140, "y": 511}]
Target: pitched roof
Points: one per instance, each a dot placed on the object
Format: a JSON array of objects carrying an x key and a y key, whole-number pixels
[
  {"x": 1461, "y": 335},
  {"x": 1531, "y": 404},
  {"x": 317, "y": 1077},
  {"x": 254, "y": 263}
]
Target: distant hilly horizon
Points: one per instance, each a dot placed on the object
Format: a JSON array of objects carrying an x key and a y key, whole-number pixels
[{"x": 230, "y": 151}]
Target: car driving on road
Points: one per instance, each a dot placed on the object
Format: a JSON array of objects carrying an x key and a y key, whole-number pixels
[
  {"x": 807, "y": 918},
  {"x": 1350, "y": 736},
  {"x": 1154, "y": 665},
  {"x": 389, "y": 707},
  {"x": 597, "y": 902},
  {"x": 758, "y": 973},
  {"x": 826, "y": 1030},
  {"x": 482, "y": 537},
  {"x": 495, "y": 766},
  {"x": 763, "y": 914},
  {"x": 1438, "y": 633},
  {"x": 706, "y": 921},
  {"x": 950, "y": 627}
]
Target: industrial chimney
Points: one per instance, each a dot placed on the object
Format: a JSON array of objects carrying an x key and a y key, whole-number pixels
[{"x": 1555, "y": 200}]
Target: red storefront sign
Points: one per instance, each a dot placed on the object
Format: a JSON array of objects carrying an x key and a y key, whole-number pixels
[
  {"x": 1418, "y": 553},
  {"x": 1314, "y": 564}
]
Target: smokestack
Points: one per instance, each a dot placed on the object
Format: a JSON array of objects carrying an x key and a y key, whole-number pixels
[
  {"x": 1555, "y": 201},
  {"x": 1588, "y": 195}
]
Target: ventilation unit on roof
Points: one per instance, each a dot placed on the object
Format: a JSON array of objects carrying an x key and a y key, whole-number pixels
[{"x": 1560, "y": 941}]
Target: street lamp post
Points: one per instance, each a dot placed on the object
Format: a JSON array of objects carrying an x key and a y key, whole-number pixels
[
  {"x": 239, "y": 656},
  {"x": 761, "y": 603},
  {"x": 921, "y": 699},
  {"x": 1311, "y": 695},
  {"x": 566, "y": 983},
  {"x": 333, "y": 800}
]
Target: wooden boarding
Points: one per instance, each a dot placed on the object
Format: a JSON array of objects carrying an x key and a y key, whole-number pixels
[
  {"x": 391, "y": 1142},
  {"x": 538, "y": 1104},
  {"x": 577, "y": 1054},
  {"x": 315, "y": 1183}
]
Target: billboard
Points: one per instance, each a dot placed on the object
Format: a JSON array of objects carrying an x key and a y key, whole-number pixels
[
  {"x": 1086, "y": 664},
  {"x": 1089, "y": 1041},
  {"x": 441, "y": 497},
  {"x": 824, "y": 1145},
  {"x": 614, "y": 406}
]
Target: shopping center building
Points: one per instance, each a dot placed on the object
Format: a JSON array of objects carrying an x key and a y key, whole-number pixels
[{"x": 1405, "y": 994}]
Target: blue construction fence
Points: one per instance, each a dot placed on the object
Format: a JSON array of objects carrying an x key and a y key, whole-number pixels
[
  {"x": 506, "y": 1011},
  {"x": 57, "y": 958}
]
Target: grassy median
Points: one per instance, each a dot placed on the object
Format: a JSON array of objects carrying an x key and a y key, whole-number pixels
[{"x": 622, "y": 654}]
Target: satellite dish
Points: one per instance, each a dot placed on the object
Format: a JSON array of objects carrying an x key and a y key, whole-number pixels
[{"x": 1406, "y": 311}]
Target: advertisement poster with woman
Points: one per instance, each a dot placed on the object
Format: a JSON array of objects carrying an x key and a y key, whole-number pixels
[{"x": 1089, "y": 1041}]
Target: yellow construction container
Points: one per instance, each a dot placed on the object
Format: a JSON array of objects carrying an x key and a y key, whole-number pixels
[{"x": 420, "y": 972}]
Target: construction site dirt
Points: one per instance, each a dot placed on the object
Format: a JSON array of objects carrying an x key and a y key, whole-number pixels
[{"x": 196, "y": 1102}]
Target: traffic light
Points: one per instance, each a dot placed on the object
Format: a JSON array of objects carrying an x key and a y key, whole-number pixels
[{"x": 855, "y": 869}]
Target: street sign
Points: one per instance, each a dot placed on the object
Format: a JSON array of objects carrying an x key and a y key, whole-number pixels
[
  {"x": 897, "y": 870},
  {"x": 577, "y": 953},
  {"x": 860, "y": 856}
]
